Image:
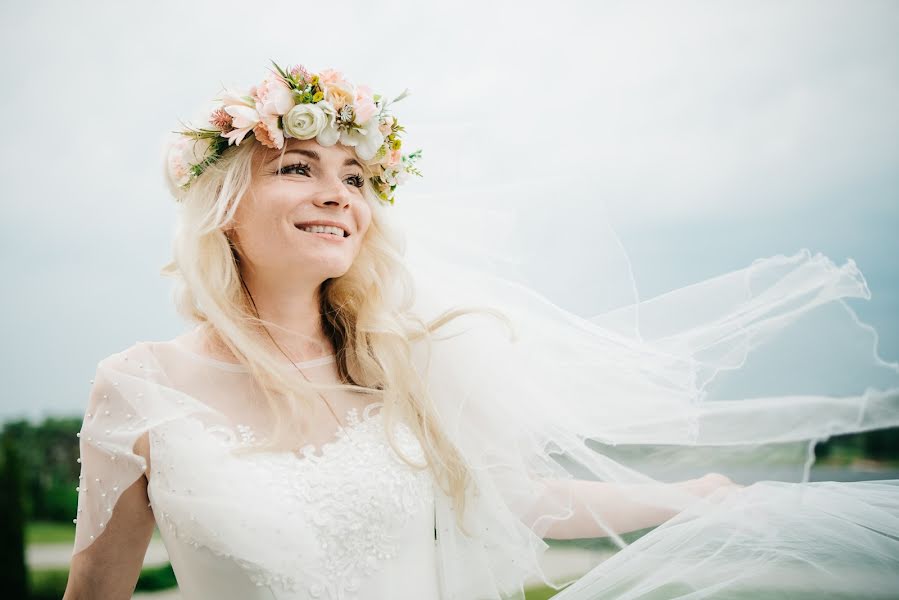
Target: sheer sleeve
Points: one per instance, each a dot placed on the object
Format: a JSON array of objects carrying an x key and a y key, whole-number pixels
[{"x": 113, "y": 422}]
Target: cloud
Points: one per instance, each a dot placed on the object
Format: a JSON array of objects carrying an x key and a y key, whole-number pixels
[{"x": 675, "y": 114}]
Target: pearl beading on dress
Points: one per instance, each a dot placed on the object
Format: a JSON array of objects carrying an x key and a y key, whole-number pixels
[{"x": 108, "y": 500}]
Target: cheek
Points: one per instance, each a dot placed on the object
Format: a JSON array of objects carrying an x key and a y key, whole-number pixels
[
  {"x": 363, "y": 218},
  {"x": 361, "y": 233},
  {"x": 260, "y": 228}
]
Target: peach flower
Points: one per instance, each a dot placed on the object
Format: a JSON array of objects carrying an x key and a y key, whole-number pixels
[
  {"x": 268, "y": 133},
  {"x": 339, "y": 95}
]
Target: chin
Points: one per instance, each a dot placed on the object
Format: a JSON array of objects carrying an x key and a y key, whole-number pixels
[
  {"x": 335, "y": 275},
  {"x": 335, "y": 271},
  {"x": 328, "y": 264}
]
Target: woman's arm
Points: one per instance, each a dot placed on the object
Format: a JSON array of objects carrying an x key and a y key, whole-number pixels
[
  {"x": 108, "y": 569},
  {"x": 618, "y": 505}
]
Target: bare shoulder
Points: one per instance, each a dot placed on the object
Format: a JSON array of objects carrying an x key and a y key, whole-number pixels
[
  {"x": 127, "y": 359},
  {"x": 201, "y": 341},
  {"x": 141, "y": 353}
]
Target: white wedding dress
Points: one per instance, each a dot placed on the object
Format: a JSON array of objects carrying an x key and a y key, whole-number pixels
[
  {"x": 577, "y": 426},
  {"x": 344, "y": 517}
]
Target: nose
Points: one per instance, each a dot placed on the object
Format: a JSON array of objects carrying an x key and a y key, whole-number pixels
[{"x": 334, "y": 192}]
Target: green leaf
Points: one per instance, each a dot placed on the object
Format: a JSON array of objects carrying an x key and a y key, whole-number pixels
[
  {"x": 401, "y": 96},
  {"x": 280, "y": 70}
]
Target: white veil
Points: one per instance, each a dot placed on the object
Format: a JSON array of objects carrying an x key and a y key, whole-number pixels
[{"x": 580, "y": 424}]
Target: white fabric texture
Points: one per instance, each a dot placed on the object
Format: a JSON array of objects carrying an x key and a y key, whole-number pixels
[
  {"x": 322, "y": 522},
  {"x": 576, "y": 423}
]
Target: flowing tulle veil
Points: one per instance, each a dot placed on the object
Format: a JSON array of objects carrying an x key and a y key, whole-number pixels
[{"x": 740, "y": 374}]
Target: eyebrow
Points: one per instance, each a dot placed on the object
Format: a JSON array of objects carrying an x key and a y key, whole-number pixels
[{"x": 315, "y": 156}]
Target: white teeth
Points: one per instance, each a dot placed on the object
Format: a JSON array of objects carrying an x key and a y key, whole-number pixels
[{"x": 324, "y": 229}]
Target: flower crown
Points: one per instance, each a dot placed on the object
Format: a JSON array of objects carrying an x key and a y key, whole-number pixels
[{"x": 298, "y": 104}]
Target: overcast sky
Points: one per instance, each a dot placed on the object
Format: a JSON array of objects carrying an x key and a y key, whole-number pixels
[{"x": 716, "y": 132}]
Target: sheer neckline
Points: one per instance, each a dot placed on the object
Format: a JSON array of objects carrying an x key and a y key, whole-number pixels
[{"x": 240, "y": 368}]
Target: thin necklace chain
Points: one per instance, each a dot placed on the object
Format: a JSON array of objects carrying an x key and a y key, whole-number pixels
[{"x": 328, "y": 404}]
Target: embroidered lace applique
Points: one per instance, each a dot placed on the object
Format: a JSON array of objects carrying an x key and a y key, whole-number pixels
[{"x": 357, "y": 493}]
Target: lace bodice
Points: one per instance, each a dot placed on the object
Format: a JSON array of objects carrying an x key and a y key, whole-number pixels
[
  {"x": 355, "y": 494},
  {"x": 317, "y": 522}
]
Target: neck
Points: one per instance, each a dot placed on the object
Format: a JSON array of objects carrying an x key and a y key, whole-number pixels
[{"x": 292, "y": 312}]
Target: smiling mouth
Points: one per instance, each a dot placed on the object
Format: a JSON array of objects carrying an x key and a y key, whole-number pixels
[{"x": 330, "y": 234}]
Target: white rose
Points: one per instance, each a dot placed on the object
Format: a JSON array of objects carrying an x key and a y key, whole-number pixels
[{"x": 304, "y": 121}]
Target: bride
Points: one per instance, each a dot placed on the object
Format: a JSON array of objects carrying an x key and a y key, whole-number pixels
[{"x": 358, "y": 413}]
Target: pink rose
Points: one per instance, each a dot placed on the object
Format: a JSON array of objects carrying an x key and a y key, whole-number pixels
[
  {"x": 364, "y": 104},
  {"x": 178, "y": 167},
  {"x": 330, "y": 77},
  {"x": 273, "y": 96},
  {"x": 185, "y": 152}
]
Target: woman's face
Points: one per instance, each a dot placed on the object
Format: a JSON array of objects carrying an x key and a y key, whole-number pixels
[{"x": 312, "y": 184}]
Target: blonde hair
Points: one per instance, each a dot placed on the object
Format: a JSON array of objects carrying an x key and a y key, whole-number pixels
[{"x": 370, "y": 330}]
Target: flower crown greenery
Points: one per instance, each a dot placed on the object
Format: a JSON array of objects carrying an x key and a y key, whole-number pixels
[{"x": 294, "y": 103}]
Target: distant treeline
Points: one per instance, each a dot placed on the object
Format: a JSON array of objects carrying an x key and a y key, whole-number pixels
[
  {"x": 47, "y": 454},
  {"x": 879, "y": 444}
]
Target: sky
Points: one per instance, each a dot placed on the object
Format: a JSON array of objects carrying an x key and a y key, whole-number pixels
[{"x": 714, "y": 132}]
